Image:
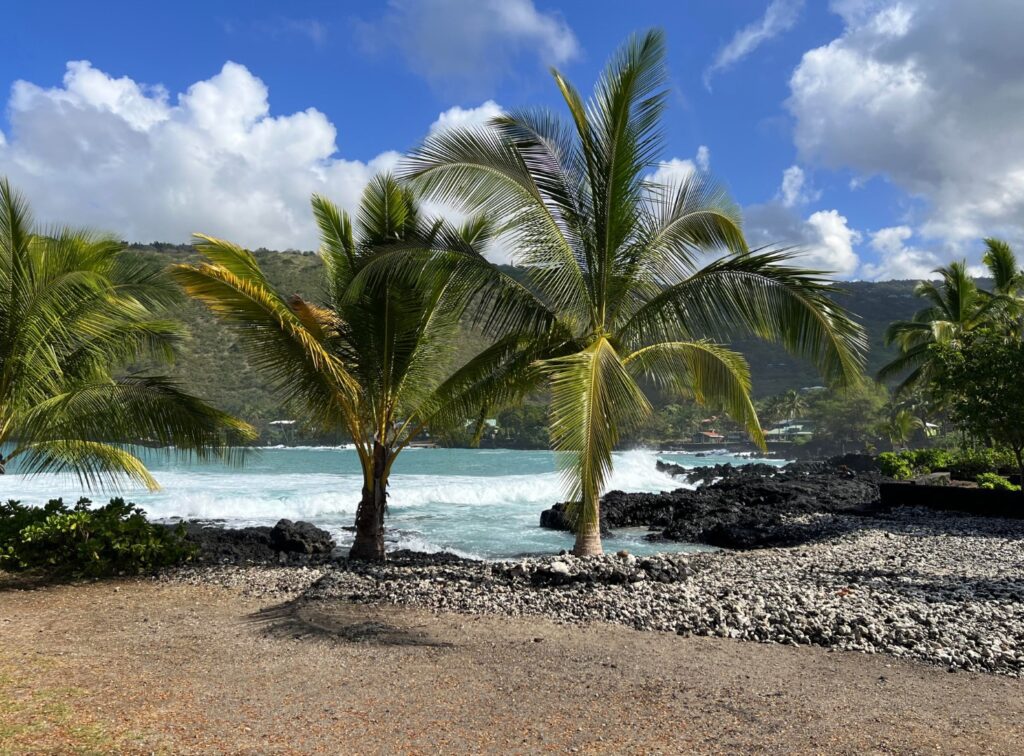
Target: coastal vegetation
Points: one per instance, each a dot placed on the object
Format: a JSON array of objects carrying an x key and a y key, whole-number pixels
[
  {"x": 371, "y": 361},
  {"x": 75, "y": 312},
  {"x": 956, "y": 305},
  {"x": 86, "y": 541},
  {"x": 977, "y": 377},
  {"x": 616, "y": 299},
  {"x": 963, "y": 353},
  {"x": 962, "y": 462}
]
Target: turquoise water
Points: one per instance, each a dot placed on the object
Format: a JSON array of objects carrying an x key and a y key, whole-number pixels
[{"x": 474, "y": 502}]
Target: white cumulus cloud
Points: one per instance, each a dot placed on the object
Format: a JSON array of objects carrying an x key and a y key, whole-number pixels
[
  {"x": 794, "y": 190},
  {"x": 897, "y": 259},
  {"x": 824, "y": 240},
  {"x": 676, "y": 170},
  {"x": 467, "y": 46},
  {"x": 833, "y": 250},
  {"x": 779, "y": 17},
  {"x": 927, "y": 94},
  {"x": 456, "y": 117},
  {"x": 113, "y": 154}
]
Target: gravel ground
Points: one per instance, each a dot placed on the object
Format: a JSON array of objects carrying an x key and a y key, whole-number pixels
[
  {"x": 143, "y": 666},
  {"x": 941, "y": 589}
]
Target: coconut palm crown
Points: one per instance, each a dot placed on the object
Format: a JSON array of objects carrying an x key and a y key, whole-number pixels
[
  {"x": 616, "y": 301},
  {"x": 372, "y": 363},
  {"x": 956, "y": 305},
  {"x": 75, "y": 311}
]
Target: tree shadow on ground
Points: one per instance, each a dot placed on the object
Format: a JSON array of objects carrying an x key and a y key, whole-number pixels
[{"x": 340, "y": 621}]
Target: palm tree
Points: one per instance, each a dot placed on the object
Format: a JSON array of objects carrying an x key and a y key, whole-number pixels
[
  {"x": 615, "y": 300},
  {"x": 74, "y": 311},
  {"x": 901, "y": 426},
  {"x": 1006, "y": 300},
  {"x": 791, "y": 405},
  {"x": 372, "y": 362},
  {"x": 956, "y": 305}
]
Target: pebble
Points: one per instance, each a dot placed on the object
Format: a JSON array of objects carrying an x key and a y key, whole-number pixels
[{"x": 940, "y": 588}]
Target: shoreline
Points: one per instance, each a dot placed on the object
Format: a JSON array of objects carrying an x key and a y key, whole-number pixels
[
  {"x": 140, "y": 666},
  {"x": 946, "y": 590}
]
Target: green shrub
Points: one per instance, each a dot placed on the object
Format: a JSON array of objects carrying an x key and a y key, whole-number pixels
[
  {"x": 15, "y": 517},
  {"x": 963, "y": 464},
  {"x": 995, "y": 482},
  {"x": 114, "y": 539},
  {"x": 896, "y": 465},
  {"x": 968, "y": 464},
  {"x": 931, "y": 459}
]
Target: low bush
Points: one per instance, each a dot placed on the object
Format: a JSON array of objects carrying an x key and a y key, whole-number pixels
[
  {"x": 968, "y": 464},
  {"x": 896, "y": 465},
  {"x": 962, "y": 464},
  {"x": 114, "y": 539},
  {"x": 931, "y": 459},
  {"x": 995, "y": 482}
]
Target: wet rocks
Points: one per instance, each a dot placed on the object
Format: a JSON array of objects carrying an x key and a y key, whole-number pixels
[
  {"x": 556, "y": 519},
  {"x": 745, "y": 507},
  {"x": 710, "y": 473}
]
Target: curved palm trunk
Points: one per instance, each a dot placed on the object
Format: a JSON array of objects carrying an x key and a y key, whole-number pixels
[
  {"x": 369, "y": 540},
  {"x": 588, "y": 535}
]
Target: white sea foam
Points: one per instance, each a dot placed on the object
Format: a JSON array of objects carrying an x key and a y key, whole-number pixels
[{"x": 491, "y": 511}]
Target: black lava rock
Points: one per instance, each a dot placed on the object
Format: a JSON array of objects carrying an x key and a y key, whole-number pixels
[
  {"x": 219, "y": 545},
  {"x": 555, "y": 519},
  {"x": 748, "y": 506},
  {"x": 300, "y": 538}
]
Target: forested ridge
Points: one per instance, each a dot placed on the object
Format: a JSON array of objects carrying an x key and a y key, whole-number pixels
[{"x": 213, "y": 366}]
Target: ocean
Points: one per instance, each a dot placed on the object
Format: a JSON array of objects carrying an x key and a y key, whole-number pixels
[{"x": 482, "y": 503}]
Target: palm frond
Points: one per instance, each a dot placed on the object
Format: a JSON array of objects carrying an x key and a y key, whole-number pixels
[
  {"x": 481, "y": 171},
  {"x": 135, "y": 409},
  {"x": 75, "y": 308},
  {"x": 1002, "y": 265},
  {"x": 758, "y": 293},
  {"x": 501, "y": 305},
  {"x": 593, "y": 400},
  {"x": 499, "y": 376},
  {"x": 716, "y": 377},
  {"x": 387, "y": 211},
  {"x": 279, "y": 344},
  {"x": 337, "y": 245},
  {"x": 95, "y": 464}
]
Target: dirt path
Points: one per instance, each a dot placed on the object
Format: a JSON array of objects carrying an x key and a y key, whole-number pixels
[{"x": 138, "y": 666}]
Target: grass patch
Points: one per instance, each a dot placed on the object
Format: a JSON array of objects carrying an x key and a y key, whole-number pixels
[{"x": 40, "y": 718}]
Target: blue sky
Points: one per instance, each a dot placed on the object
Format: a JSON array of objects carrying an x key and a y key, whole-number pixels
[{"x": 890, "y": 120}]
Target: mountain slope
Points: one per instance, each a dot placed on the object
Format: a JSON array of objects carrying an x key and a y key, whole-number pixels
[{"x": 212, "y": 365}]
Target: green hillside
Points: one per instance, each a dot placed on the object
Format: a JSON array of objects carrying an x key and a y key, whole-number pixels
[{"x": 212, "y": 365}]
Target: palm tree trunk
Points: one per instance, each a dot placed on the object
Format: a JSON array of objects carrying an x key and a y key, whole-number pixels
[
  {"x": 369, "y": 541},
  {"x": 588, "y": 535}
]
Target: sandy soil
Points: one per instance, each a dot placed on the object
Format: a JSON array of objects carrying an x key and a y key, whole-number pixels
[{"x": 137, "y": 666}]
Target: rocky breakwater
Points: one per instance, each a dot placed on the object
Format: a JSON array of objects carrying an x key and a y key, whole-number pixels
[{"x": 744, "y": 507}]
